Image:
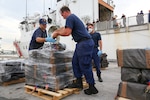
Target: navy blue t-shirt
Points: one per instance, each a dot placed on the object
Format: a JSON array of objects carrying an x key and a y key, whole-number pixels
[
  {"x": 78, "y": 29},
  {"x": 37, "y": 33},
  {"x": 96, "y": 37}
]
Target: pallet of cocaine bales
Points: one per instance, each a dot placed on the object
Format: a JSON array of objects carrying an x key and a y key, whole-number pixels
[
  {"x": 48, "y": 72},
  {"x": 46, "y": 94},
  {"x": 11, "y": 72}
]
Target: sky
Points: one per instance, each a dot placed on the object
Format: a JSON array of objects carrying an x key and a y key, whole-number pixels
[
  {"x": 130, "y": 7},
  {"x": 13, "y": 11}
]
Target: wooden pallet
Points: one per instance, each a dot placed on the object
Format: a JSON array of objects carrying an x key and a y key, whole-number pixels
[
  {"x": 121, "y": 98},
  {"x": 50, "y": 95},
  {"x": 20, "y": 80}
]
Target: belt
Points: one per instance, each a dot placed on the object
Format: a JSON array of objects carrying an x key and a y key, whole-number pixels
[
  {"x": 83, "y": 39},
  {"x": 95, "y": 46}
]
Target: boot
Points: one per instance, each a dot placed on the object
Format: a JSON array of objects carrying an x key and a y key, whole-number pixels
[
  {"x": 99, "y": 78},
  {"x": 91, "y": 90},
  {"x": 77, "y": 84}
]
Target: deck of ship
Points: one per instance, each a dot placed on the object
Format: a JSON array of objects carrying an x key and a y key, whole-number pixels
[{"x": 107, "y": 89}]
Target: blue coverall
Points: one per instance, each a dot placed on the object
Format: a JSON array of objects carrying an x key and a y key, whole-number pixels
[
  {"x": 96, "y": 37},
  {"x": 82, "y": 58}
]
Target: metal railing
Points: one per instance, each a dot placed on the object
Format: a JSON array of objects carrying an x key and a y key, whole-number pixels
[
  {"x": 110, "y": 2},
  {"x": 130, "y": 21}
]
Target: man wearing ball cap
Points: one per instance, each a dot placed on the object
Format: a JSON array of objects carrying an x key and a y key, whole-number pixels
[{"x": 40, "y": 36}]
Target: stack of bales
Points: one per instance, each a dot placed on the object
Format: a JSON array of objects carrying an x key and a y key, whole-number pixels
[
  {"x": 50, "y": 69},
  {"x": 135, "y": 73},
  {"x": 11, "y": 70},
  {"x": 103, "y": 59}
]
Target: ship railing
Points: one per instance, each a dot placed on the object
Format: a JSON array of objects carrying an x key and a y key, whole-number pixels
[
  {"x": 110, "y": 2},
  {"x": 136, "y": 22}
]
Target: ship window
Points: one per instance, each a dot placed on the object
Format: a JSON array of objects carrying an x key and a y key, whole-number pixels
[{"x": 58, "y": 0}]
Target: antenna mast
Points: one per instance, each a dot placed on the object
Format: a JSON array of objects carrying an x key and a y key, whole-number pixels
[
  {"x": 44, "y": 7},
  {"x": 26, "y": 10},
  {"x": 0, "y": 43},
  {"x": 93, "y": 11}
]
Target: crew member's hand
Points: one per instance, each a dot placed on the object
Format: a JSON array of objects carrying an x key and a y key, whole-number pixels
[
  {"x": 54, "y": 34},
  {"x": 99, "y": 53},
  {"x": 49, "y": 39}
]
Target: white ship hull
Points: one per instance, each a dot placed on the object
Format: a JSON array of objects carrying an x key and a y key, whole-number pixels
[
  {"x": 133, "y": 36},
  {"x": 111, "y": 42},
  {"x": 125, "y": 40}
]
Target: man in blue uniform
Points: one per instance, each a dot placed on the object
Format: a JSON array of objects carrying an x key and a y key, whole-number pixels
[
  {"x": 82, "y": 58},
  {"x": 40, "y": 36},
  {"x": 96, "y": 52}
]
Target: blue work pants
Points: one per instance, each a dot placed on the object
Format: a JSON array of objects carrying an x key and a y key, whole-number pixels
[
  {"x": 96, "y": 60},
  {"x": 82, "y": 60}
]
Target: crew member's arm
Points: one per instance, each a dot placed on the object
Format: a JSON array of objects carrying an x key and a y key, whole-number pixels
[
  {"x": 62, "y": 32},
  {"x": 40, "y": 40},
  {"x": 100, "y": 44}
]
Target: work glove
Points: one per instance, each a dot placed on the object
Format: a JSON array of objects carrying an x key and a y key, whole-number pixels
[
  {"x": 99, "y": 53},
  {"x": 50, "y": 39}
]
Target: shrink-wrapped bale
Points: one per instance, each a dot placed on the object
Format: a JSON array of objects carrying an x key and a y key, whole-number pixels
[
  {"x": 11, "y": 70},
  {"x": 131, "y": 75},
  {"x": 133, "y": 91},
  {"x": 134, "y": 58},
  {"x": 50, "y": 56},
  {"x": 53, "y": 83},
  {"x": 33, "y": 68},
  {"x": 145, "y": 76},
  {"x": 103, "y": 60}
]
